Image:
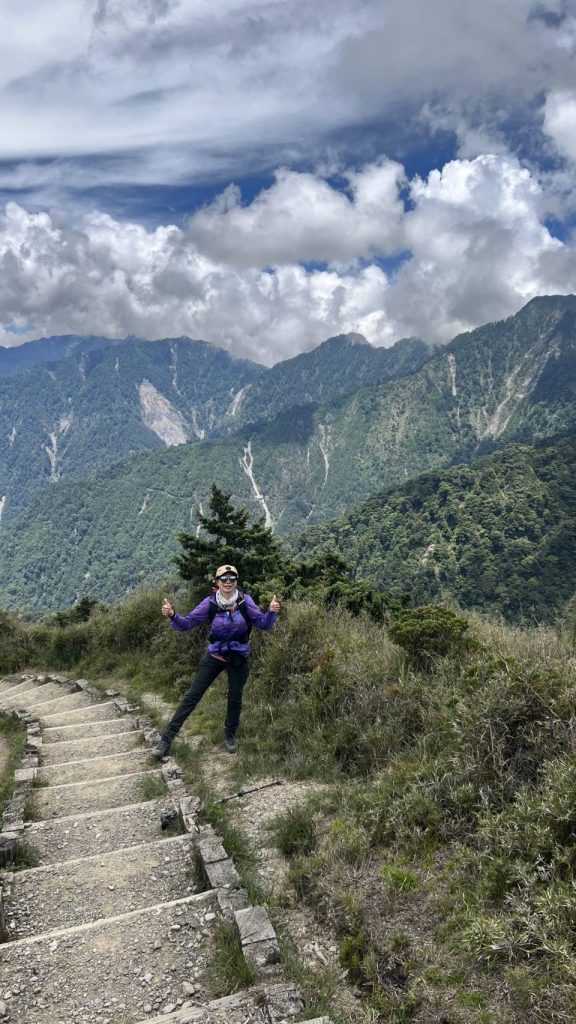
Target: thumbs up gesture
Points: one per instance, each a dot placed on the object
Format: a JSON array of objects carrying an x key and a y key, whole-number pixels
[
  {"x": 167, "y": 608},
  {"x": 274, "y": 605}
]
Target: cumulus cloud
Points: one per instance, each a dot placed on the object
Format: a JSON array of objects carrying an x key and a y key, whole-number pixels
[
  {"x": 470, "y": 241},
  {"x": 303, "y": 218},
  {"x": 480, "y": 249}
]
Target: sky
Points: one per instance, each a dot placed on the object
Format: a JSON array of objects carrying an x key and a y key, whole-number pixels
[{"x": 266, "y": 174}]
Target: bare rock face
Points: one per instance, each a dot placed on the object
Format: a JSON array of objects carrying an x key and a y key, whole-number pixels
[{"x": 159, "y": 415}]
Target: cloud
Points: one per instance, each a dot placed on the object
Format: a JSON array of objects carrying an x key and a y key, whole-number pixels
[
  {"x": 161, "y": 91},
  {"x": 480, "y": 249},
  {"x": 302, "y": 218},
  {"x": 470, "y": 242},
  {"x": 560, "y": 121}
]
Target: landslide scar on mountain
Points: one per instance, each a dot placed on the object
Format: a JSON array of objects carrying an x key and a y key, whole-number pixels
[{"x": 160, "y": 416}]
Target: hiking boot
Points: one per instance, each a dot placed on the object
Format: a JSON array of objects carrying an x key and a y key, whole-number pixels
[
  {"x": 230, "y": 743},
  {"x": 161, "y": 750}
]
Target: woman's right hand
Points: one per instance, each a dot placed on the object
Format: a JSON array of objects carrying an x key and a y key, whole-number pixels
[{"x": 167, "y": 608}]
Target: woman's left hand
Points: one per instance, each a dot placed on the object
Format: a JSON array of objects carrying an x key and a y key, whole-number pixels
[{"x": 274, "y": 605}]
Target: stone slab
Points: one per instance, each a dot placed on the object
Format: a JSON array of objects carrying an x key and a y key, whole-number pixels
[
  {"x": 254, "y": 925},
  {"x": 222, "y": 874},
  {"x": 210, "y": 849}
]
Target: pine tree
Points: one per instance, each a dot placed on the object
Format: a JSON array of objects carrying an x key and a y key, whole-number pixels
[{"x": 251, "y": 547}]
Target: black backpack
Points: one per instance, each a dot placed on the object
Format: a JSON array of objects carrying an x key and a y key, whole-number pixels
[{"x": 213, "y": 610}]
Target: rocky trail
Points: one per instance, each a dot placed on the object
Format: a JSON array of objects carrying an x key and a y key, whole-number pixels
[{"x": 112, "y": 894}]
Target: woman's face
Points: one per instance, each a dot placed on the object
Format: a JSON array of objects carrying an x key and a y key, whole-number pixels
[{"x": 227, "y": 584}]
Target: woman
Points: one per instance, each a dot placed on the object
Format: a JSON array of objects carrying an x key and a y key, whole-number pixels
[{"x": 232, "y": 615}]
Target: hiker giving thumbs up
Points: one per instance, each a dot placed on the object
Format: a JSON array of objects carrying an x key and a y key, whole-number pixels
[{"x": 231, "y": 615}]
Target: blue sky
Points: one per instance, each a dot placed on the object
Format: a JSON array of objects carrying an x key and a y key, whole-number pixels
[{"x": 265, "y": 174}]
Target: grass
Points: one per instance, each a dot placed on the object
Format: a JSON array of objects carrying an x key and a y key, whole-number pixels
[
  {"x": 229, "y": 970},
  {"x": 31, "y": 812},
  {"x": 25, "y": 856},
  {"x": 295, "y": 831},
  {"x": 152, "y": 786},
  {"x": 13, "y": 733}
]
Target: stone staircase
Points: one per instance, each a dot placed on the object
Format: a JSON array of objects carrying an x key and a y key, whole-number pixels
[{"x": 109, "y": 926}]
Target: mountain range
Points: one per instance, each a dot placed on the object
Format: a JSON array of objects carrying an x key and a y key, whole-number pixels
[
  {"x": 94, "y": 401},
  {"x": 349, "y": 423}
]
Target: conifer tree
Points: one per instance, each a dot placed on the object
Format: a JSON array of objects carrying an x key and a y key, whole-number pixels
[{"x": 228, "y": 536}]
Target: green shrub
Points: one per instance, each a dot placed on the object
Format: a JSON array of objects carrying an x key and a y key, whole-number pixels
[
  {"x": 429, "y": 632},
  {"x": 328, "y": 696},
  {"x": 349, "y": 841},
  {"x": 13, "y": 732},
  {"x": 14, "y": 644}
]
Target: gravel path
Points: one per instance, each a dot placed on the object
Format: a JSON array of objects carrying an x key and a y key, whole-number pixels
[
  {"x": 96, "y": 713},
  {"x": 98, "y": 767},
  {"x": 104, "y": 885},
  {"x": 76, "y": 797},
  {"x": 109, "y": 929},
  {"x": 66, "y": 751},
  {"x": 112, "y": 971},
  {"x": 70, "y": 837},
  {"x": 86, "y": 731}
]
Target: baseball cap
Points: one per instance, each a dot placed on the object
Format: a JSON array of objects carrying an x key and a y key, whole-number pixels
[{"x": 225, "y": 568}]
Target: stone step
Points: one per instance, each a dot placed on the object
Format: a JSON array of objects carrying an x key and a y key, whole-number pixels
[
  {"x": 65, "y": 751},
  {"x": 270, "y": 1004},
  {"x": 6, "y": 682},
  {"x": 87, "y": 730},
  {"x": 77, "y": 797},
  {"x": 97, "y": 713},
  {"x": 90, "y": 768},
  {"x": 112, "y": 971},
  {"x": 70, "y": 836},
  {"x": 103, "y": 885},
  {"x": 13, "y": 692},
  {"x": 36, "y": 693},
  {"x": 62, "y": 702}
]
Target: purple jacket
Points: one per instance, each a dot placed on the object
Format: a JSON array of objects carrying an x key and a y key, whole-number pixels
[{"x": 226, "y": 626}]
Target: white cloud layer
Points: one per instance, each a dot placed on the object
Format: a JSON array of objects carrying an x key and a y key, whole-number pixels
[
  {"x": 169, "y": 91},
  {"x": 470, "y": 241}
]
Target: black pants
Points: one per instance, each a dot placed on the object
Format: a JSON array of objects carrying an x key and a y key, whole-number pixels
[{"x": 206, "y": 673}]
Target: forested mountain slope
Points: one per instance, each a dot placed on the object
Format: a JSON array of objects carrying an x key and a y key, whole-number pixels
[
  {"x": 499, "y": 534},
  {"x": 46, "y": 350},
  {"x": 69, "y": 418}
]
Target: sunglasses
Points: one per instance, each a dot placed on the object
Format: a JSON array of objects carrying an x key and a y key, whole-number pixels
[{"x": 228, "y": 579}]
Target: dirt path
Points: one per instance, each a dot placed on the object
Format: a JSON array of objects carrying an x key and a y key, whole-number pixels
[{"x": 315, "y": 943}]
